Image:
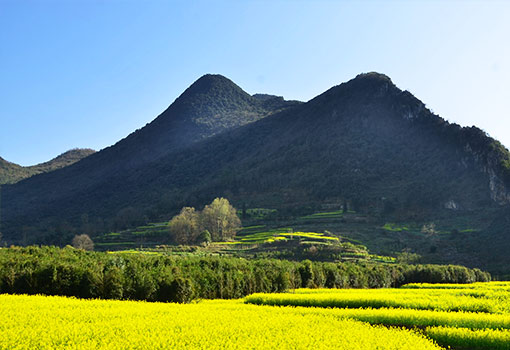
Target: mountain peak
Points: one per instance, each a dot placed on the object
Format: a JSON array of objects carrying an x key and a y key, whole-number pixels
[
  {"x": 214, "y": 85},
  {"x": 371, "y": 82},
  {"x": 365, "y": 87},
  {"x": 373, "y": 76},
  {"x": 212, "y": 78},
  {"x": 211, "y": 105}
]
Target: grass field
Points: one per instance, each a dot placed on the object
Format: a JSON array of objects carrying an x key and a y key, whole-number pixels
[
  {"x": 38, "y": 322},
  {"x": 470, "y": 316}
]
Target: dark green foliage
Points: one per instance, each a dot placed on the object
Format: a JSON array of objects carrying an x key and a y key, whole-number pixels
[
  {"x": 71, "y": 272},
  {"x": 333, "y": 279},
  {"x": 181, "y": 290},
  {"x": 140, "y": 283},
  {"x": 113, "y": 282},
  {"x": 306, "y": 274},
  {"x": 282, "y": 282},
  {"x": 165, "y": 290},
  {"x": 438, "y": 274}
]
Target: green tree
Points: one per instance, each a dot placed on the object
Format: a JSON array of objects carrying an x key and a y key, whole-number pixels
[
  {"x": 113, "y": 283},
  {"x": 220, "y": 219},
  {"x": 306, "y": 273},
  {"x": 185, "y": 226}
]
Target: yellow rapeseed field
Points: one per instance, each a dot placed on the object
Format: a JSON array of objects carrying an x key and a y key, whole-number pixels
[
  {"x": 480, "y": 298},
  {"x": 468, "y": 316},
  {"x": 41, "y": 322}
]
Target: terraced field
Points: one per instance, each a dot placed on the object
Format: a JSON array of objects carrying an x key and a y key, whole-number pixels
[
  {"x": 281, "y": 234},
  {"x": 142, "y": 236},
  {"x": 250, "y": 241}
]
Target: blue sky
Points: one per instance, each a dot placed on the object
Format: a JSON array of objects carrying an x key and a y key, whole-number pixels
[{"x": 88, "y": 73}]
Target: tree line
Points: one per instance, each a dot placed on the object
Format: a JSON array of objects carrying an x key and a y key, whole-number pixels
[{"x": 138, "y": 276}]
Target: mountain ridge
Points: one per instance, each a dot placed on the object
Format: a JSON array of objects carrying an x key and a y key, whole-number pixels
[{"x": 12, "y": 172}]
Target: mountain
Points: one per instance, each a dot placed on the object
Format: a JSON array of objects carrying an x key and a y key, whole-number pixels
[
  {"x": 364, "y": 142},
  {"x": 99, "y": 183},
  {"x": 209, "y": 106},
  {"x": 12, "y": 173}
]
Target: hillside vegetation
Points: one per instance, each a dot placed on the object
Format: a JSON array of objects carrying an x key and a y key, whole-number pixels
[{"x": 11, "y": 173}]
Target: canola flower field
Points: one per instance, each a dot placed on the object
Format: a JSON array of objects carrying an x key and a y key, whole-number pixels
[
  {"x": 50, "y": 322},
  {"x": 470, "y": 316},
  {"x": 415, "y": 316},
  {"x": 487, "y": 300}
]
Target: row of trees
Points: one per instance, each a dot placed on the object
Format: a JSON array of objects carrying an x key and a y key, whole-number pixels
[
  {"x": 75, "y": 272},
  {"x": 218, "y": 221}
]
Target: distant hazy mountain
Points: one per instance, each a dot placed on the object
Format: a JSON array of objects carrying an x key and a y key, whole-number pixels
[
  {"x": 12, "y": 173},
  {"x": 364, "y": 142}
]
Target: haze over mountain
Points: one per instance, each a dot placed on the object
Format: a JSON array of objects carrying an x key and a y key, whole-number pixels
[
  {"x": 364, "y": 142},
  {"x": 12, "y": 173}
]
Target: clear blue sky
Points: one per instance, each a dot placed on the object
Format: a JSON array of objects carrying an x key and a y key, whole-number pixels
[{"x": 87, "y": 73}]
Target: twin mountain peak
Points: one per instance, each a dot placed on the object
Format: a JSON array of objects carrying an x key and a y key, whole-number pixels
[{"x": 360, "y": 141}]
